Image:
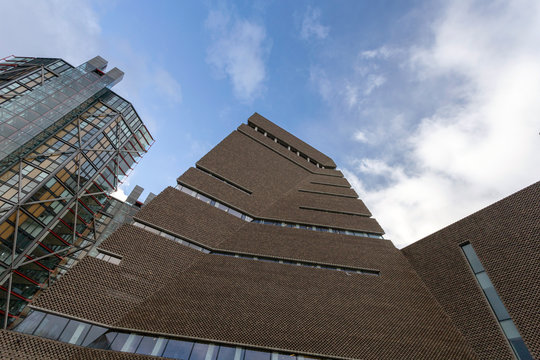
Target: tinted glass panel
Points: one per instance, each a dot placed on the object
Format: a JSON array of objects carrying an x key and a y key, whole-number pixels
[
  {"x": 226, "y": 353},
  {"x": 496, "y": 304},
  {"x": 93, "y": 334},
  {"x": 151, "y": 346},
  {"x": 178, "y": 349},
  {"x": 126, "y": 342},
  {"x": 257, "y": 355},
  {"x": 473, "y": 259},
  {"x": 510, "y": 329},
  {"x": 30, "y": 323},
  {"x": 51, "y": 327},
  {"x": 484, "y": 281},
  {"x": 203, "y": 352},
  {"x": 104, "y": 341},
  {"x": 74, "y": 332},
  {"x": 521, "y": 350}
]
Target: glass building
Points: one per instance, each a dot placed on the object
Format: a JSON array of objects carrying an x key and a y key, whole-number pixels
[{"x": 66, "y": 142}]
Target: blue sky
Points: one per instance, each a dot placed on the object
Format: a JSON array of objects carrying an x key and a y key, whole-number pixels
[{"x": 430, "y": 108}]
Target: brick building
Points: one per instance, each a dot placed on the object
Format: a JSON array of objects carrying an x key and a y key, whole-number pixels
[{"x": 263, "y": 251}]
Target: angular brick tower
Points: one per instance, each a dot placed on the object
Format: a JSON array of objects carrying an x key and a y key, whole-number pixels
[{"x": 263, "y": 251}]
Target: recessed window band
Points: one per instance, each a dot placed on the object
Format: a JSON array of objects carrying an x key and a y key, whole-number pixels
[
  {"x": 207, "y": 250},
  {"x": 248, "y": 218},
  {"x": 71, "y": 331}
]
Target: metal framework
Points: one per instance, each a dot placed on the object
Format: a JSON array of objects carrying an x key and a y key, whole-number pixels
[{"x": 87, "y": 159}]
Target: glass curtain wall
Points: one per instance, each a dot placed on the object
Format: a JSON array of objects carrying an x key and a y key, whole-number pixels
[{"x": 52, "y": 197}]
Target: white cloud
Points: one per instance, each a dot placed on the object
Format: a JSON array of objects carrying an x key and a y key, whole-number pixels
[
  {"x": 383, "y": 52},
  {"x": 477, "y": 147},
  {"x": 238, "y": 50},
  {"x": 351, "y": 94},
  {"x": 360, "y": 136},
  {"x": 373, "y": 81},
  {"x": 311, "y": 25},
  {"x": 66, "y": 29},
  {"x": 119, "y": 194}
]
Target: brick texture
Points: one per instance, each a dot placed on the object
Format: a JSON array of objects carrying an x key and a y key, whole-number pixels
[
  {"x": 163, "y": 287},
  {"x": 506, "y": 238},
  {"x": 275, "y": 130}
]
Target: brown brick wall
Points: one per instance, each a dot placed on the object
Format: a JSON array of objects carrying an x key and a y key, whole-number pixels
[
  {"x": 185, "y": 215},
  {"x": 291, "y": 139},
  {"x": 287, "y": 154},
  {"x": 301, "y": 309},
  {"x": 275, "y": 183},
  {"x": 309, "y": 245},
  {"x": 163, "y": 287},
  {"x": 506, "y": 238},
  {"x": 103, "y": 292}
]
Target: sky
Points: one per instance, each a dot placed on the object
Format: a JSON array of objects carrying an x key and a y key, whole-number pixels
[{"x": 430, "y": 108}]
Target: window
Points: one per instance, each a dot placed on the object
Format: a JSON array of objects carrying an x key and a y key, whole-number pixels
[
  {"x": 506, "y": 323},
  {"x": 51, "y": 327},
  {"x": 108, "y": 258},
  {"x": 178, "y": 349},
  {"x": 151, "y": 346}
]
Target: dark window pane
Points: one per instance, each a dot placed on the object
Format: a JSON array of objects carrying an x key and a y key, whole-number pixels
[
  {"x": 496, "y": 304},
  {"x": 229, "y": 353},
  {"x": 104, "y": 341},
  {"x": 51, "y": 327},
  {"x": 178, "y": 349},
  {"x": 257, "y": 355},
  {"x": 521, "y": 350},
  {"x": 74, "y": 332},
  {"x": 126, "y": 342},
  {"x": 30, "y": 323},
  {"x": 473, "y": 259},
  {"x": 203, "y": 352},
  {"x": 93, "y": 334},
  {"x": 151, "y": 346}
]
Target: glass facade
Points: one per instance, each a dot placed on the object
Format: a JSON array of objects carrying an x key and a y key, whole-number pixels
[
  {"x": 67, "y": 141},
  {"x": 81, "y": 333},
  {"x": 507, "y": 325}
]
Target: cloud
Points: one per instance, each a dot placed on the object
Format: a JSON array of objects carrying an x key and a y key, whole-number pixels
[
  {"x": 360, "y": 136},
  {"x": 238, "y": 50},
  {"x": 119, "y": 194},
  {"x": 66, "y": 29},
  {"x": 482, "y": 145},
  {"x": 373, "y": 81},
  {"x": 468, "y": 124},
  {"x": 311, "y": 26},
  {"x": 383, "y": 52}
]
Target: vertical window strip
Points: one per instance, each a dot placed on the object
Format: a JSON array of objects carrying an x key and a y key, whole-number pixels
[{"x": 507, "y": 325}]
